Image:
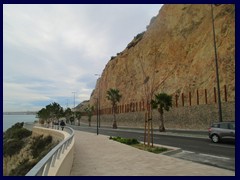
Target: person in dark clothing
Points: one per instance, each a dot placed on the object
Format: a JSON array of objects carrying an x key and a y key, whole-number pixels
[{"x": 62, "y": 124}]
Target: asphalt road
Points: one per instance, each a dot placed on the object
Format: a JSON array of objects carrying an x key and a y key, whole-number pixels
[{"x": 200, "y": 150}]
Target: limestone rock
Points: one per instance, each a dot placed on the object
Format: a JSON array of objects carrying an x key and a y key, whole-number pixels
[{"x": 175, "y": 55}]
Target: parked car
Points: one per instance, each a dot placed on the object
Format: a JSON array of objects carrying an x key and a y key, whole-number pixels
[{"x": 220, "y": 130}]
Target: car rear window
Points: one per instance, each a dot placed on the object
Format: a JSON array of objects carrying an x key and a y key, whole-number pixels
[
  {"x": 232, "y": 126},
  {"x": 215, "y": 125},
  {"x": 224, "y": 125}
]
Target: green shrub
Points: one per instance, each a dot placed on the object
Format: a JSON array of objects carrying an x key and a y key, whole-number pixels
[
  {"x": 157, "y": 150},
  {"x": 45, "y": 151},
  {"x": 135, "y": 40},
  {"x": 12, "y": 147},
  {"x": 40, "y": 144},
  {"x": 16, "y": 132},
  {"x": 23, "y": 168},
  {"x": 14, "y": 127},
  {"x": 13, "y": 139},
  {"x": 139, "y": 36},
  {"x": 17, "y": 125},
  {"x": 128, "y": 141},
  {"x": 112, "y": 57},
  {"x": 21, "y": 133},
  {"x": 135, "y": 143}
]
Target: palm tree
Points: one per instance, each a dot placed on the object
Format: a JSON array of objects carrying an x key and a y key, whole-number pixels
[
  {"x": 89, "y": 110},
  {"x": 162, "y": 102},
  {"x": 78, "y": 116},
  {"x": 68, "y": 114},
  {"x": 72, "y": 120},
  {"x": 114, "y": 96}
]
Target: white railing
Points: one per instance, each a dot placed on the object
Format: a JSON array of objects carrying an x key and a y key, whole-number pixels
[{"x": 43, "y": 166}]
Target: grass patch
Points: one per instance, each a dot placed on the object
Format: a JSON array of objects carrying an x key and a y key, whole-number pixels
[{"x": 135, "y": 143}]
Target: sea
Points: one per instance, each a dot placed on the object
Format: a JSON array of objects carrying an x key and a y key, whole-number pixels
[{"x": 10, "y": 120}]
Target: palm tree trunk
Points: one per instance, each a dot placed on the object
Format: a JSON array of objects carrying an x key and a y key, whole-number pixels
[
  {"x": 114, "y": 119},
  {"x": 161, "y": 123},
  {"x": 89, "y": 122}
]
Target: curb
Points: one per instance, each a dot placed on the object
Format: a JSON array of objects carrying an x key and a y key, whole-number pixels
[
  {"x": 163, "y": 134},
  {"x": 174, "y": 150}
]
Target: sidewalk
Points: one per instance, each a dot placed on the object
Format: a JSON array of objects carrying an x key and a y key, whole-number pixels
[{"x": 96, "y": 155}]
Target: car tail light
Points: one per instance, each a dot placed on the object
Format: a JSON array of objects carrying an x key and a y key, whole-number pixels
[{"x": 209, "y": 129}]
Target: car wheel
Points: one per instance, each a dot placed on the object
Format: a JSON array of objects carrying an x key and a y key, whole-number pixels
[{"x": 215, "y": 138}]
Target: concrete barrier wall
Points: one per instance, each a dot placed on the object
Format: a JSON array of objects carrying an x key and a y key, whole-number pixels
[
  {"x": 57, "y": 135},
  {"x": 66, "y": 163},
  {"x": 63, "y": 165},
  {"x": 196, "y": 117}
]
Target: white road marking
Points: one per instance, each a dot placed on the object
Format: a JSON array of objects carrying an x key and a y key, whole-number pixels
[
  {"x": 188, "y": 152},
  {"x": 217, "y": 145},
  {"x": 220, "y": 157}
]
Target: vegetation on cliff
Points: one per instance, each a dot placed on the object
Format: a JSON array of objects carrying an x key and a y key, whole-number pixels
[
  {"x": 136, "y": 39},
  {"x": 21, "y": 150},
  {"x": 13, "y": 139}
]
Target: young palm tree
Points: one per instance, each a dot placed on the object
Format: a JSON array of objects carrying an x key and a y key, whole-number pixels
[
  {"x": 89, "y": 110},
  {"x": 78, "y": 116},
  {"x": 68, "y": 114},
  {"x": 114, "y": 96},
  {"x": 162, "y": 102}
]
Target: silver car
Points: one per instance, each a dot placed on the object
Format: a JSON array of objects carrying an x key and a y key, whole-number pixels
[{"x": 221, "y": 130}]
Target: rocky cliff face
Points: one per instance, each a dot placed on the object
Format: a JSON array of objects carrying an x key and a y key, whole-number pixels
[{"x": 175, "y": 55}]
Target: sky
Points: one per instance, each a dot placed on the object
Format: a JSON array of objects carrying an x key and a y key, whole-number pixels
[{"x": 51, "y": 53}]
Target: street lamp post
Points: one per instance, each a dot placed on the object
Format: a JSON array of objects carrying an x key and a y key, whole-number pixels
[
  {"x": 217, "y": 74},
  {"x": 74, "y": 105},
  {"x": 97, "y": 116},
  {"x": 74, "y": 98},
  {"x": 98, "y": 104},
  {"x": 66, "y": 103}
]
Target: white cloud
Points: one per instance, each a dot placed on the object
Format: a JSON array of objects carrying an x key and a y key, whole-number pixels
[{"x": 49, "y": 51}]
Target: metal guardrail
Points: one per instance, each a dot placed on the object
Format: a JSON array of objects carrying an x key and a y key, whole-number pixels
[{"x": 43, "y": 166}]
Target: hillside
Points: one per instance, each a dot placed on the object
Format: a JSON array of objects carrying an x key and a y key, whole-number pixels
[
  {"x": 175, "y": 55},
  {"x": 22, "y": 150}
]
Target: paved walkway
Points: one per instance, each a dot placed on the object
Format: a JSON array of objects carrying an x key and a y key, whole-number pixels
[{"x": 96, "y": 155}]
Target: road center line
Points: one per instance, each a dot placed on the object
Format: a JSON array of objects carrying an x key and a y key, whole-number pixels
[{"x": 214, "y": 156}]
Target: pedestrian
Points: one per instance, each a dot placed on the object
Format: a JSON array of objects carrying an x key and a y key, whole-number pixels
[{"x": 62, "y": 124}]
